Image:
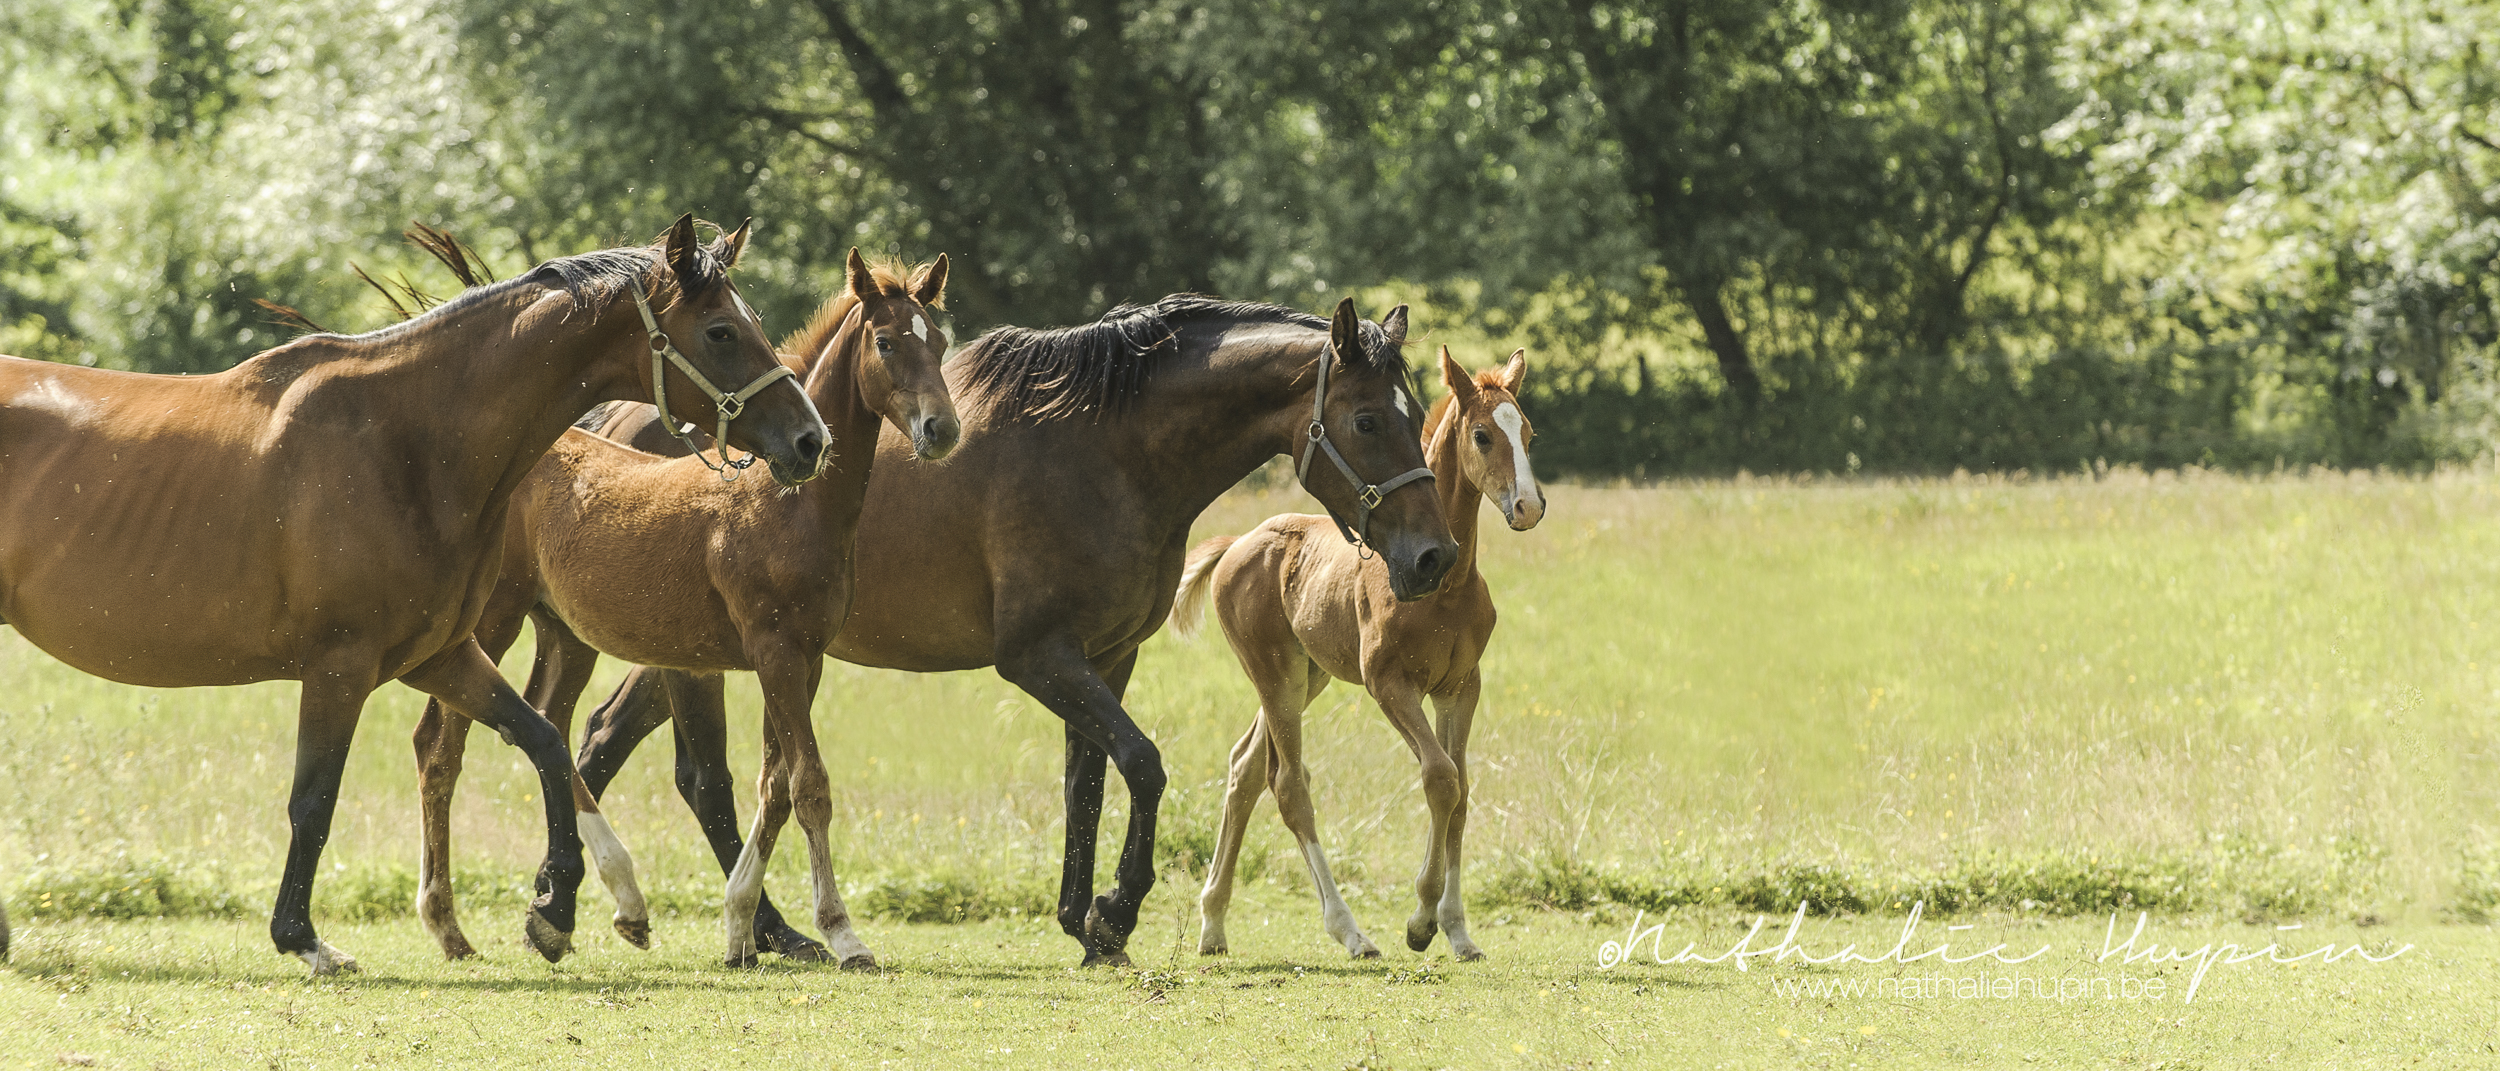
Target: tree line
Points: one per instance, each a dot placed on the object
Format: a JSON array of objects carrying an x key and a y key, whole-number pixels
[{"x": 1891, "y": 235}]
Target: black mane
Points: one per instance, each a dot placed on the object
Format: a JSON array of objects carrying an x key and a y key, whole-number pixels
[
  {"x": 1096, "y": 369},
  {"x": 592, "y": 280}
]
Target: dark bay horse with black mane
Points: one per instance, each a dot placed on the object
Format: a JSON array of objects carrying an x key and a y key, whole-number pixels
[
  {"x": 1050, "y": 544},
  {"x": 332, "y": 510}
]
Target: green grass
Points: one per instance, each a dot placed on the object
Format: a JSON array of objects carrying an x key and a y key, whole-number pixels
[
  {"x": 2229, "y": 701},
  {"x": 1002, "y": 994}
]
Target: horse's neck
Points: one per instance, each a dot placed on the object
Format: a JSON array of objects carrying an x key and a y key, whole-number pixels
[
  {"x": 483, "y": 394},
  {"x": 851, "y": 424},
  {"x": 1202, "y": 432},
  {"x": 1457, "y": 495}
]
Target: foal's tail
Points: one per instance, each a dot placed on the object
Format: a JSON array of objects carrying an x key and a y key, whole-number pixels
[{"x": 1197, "y": 575}]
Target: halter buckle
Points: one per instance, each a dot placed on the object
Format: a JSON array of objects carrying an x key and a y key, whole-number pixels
[{"x": 1368, "y": 498}]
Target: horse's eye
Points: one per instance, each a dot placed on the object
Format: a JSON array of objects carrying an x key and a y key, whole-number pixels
[
  {"x": 1365, "y": 423},
  {"x": 1483, "y": 441},
  {"x": 884, "y": 344},
  {"x": 720, "y": 333}
]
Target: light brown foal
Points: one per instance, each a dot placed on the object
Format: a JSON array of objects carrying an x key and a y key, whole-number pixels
[
  {"x": 1300, "y": 606},
  {"x": 331, "y": 511},
  {"x": 655, "y": 561}
]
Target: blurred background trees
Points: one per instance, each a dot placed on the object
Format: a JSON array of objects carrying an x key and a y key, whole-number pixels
[{"x": 1898, "y": 235}]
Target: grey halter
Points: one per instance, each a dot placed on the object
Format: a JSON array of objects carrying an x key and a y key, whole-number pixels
[
  {"x": 1367, "y": 497},
  {"x": 729, "y": 405}
]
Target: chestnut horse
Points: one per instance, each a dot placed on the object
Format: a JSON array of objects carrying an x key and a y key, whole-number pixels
[
  {"x": 332, "y": 510},
  {"x": 611, "y": 549},
  {"x": 1049, "y": 544},
  {"x": 1300, "y": 608}
]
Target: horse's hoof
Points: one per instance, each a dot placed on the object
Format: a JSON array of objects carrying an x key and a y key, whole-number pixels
[
  {"x": 1469, "y": 954},
  {"x": 1214, "y": 950},
  {"x": 325, "y": 960},
  {"x": 810, "y": 952},
  {"x": 1419, "y": 935},
  {"x": 792, "y": 945},
  {"x": 636, "y": 932},
  {"x": 1367, "y": 953},
  {"x": 1103, "y": 945},
  {"x": 744, "y": 962},
  {"x": 544, "y": 938},
  {"x": 456, "y": 946},
  {"x": 861, "y": 962}
]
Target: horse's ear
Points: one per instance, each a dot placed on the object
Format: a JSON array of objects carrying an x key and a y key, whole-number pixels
[
  {"x": 1345, "y": 333},
  {"x": 1462, "y": 387},
  {"x": 863, "y": 283},
  {"x": 681, "y": 251},
  {"x": 735, "y": 244},
  {"x": 1394, "y": 326},
  {"x": 928, "y": 286},
  {"x": 1515, "y": 374}
]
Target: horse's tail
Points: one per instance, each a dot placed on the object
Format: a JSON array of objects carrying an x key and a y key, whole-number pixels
[{"x": 1197, "y": 575}]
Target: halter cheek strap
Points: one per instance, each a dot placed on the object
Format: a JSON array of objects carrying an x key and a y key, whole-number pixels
[
  {"x": 664, "y": 353},
  {"x": 1367, "y": 497}
]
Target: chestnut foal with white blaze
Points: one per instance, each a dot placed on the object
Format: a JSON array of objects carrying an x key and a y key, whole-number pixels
[
  {"x": 654, "y": 560},
  {"x": 1300, "y": 606}
]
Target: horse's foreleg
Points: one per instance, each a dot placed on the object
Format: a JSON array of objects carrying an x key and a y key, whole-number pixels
[
  {"x": 699, "y": 715},
  {"x": 1244, "y": 783},
  {"x": 1442, "y": 790},
  {"x": 789, "y": 683},
  {"x": 557, "y": 676},
  {"x": 442, "y": 739},
  {"x": 1282, "y": 704},
  {"x": 746, "y": 878},
  {"x": 1054, "y": 670},
  {"x": 1457, "y": 715},
  {"x": 466, "y": 681},
  {"x": 325, "y": 725}
]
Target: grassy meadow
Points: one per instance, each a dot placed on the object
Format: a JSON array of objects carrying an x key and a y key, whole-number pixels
[{"x": 2239, "y": 703}]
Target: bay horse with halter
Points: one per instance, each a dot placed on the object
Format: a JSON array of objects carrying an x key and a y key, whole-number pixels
[
  {"x": 332, "y": 510},
  {"x": 1049, "y": 544},
  {"x": 1300, "y": 608},
  {"x": 651, "y": 559}
]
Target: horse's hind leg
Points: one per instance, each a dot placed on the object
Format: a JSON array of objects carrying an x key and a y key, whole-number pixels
[
  {"x": 466, "y": 681},
  {"x": 1282, "y": 698},
  {"x": 325, "y": 725},
  {"x": 442, "y": 739},
  {"x": 1457, "y": 715},
  {"x": 1243, "y": 785},
  {"x": 557, "y": 676}
]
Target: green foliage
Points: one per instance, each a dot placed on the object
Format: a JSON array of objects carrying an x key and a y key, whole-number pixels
[
  {"x": 1898, "y": 235},
  {"x": 127, "y": 888}
]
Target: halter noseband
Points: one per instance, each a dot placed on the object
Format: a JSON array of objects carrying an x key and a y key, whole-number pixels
[
  {"x": 1367, "y": 497},
  {"x": 729, "y": 405}
]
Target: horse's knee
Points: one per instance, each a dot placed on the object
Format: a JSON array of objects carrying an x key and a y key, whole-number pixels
[
  {"x": 1141, "y": 767},
  {"x": 1442, "y": 787}
]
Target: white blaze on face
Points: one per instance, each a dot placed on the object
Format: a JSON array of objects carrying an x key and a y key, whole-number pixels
[
  {"x": 748, "y": 312},
  {"x": 919, "y": 327},
  {"x": 1398, "y": 395},
  {"x": 1506, "y": 415}
]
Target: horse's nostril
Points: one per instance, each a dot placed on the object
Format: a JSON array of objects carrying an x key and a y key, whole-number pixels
[
  {"x": 1429, "y": 563},
  {"x": 811, "y": 446}
]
